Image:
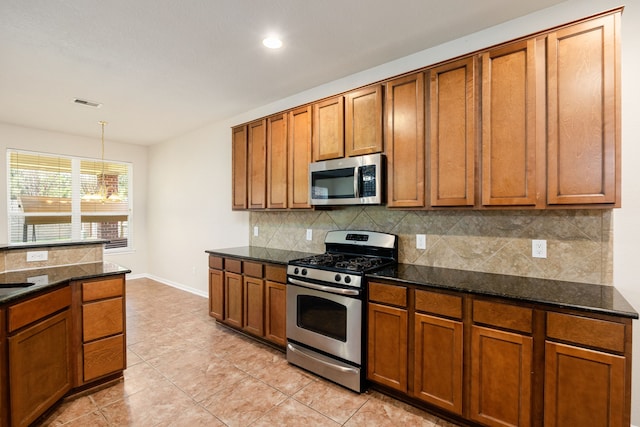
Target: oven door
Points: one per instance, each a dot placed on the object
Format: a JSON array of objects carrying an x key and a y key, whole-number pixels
[{"x": 325, "y": 321}]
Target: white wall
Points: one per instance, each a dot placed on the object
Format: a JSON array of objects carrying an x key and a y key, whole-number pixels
[
  {"x": 59, "y": 143},
  {"x": 190, "y": 209}
]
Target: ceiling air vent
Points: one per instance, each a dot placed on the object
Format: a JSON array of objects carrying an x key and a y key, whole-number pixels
[{"x": 87, "y": 103}]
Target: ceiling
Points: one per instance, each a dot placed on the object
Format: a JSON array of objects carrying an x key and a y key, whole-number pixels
[{"x": 162, "y": 68}]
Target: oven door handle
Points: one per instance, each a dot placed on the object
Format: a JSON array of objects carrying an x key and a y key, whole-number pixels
[
  {"x": 329, "y": 289},
  {"x": 301, "y": 352}
]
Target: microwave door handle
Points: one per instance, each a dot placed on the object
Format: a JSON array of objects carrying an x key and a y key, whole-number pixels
[{"x": 356, "y": 182}]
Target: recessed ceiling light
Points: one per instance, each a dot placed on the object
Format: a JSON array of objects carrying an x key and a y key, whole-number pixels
[{"x": 272, "y": 42}]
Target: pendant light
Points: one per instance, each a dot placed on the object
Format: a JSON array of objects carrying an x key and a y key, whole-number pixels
[{"x": 103, "y": 193}]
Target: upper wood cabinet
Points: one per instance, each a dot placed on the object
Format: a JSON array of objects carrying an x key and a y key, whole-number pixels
[
  {"x": 239, "y": 167},
  {"x": 513, "y": 134},
  {"x": 328, "y": 129},
  {"x": 583, "y": 64},
  {"x": 405, "y": 142},
  {"x": 299, "y": 157},
  {"x": 257, "y": 172},
  {"x": 452, "y": 133},
  {"x": 363, "y": 121},
  {"x": 277, "y": 161}
]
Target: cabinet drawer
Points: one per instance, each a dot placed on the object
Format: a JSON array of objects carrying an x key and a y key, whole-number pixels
[
  {"x": 215, "y": 262},
  {"x": 101, "y": 319},
  {"x": 103, "y": 357},
  {"x": 275, "y": 273},
  {"x": 100, "y": 289},
  {"x": 233, "y": 265},
  {"x": 29, "y": 311},
  {"x": 503, "y": 315},
  {"x": 437, "y": 303},
  {"x": 586, "y": 331},
  {"x": 388, "y": 294},
  {"x": 253, "y": 269}
]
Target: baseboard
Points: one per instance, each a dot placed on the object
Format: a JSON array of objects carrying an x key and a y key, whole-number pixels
[{"x": 169, "y": 283}]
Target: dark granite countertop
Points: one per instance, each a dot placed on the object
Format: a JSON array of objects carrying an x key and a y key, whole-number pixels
[
  {"x": 50, "y": 244},
  {"x": 581, "y": 296},
  {"x": 19, "y": 284},
  {"x": 255, "y": 253}
]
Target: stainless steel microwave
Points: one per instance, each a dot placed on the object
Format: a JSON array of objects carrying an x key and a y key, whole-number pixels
[{"x": 350, "y": 181}]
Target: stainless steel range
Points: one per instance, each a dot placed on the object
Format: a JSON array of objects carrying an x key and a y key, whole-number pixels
[{"x": 325, "y": 304}]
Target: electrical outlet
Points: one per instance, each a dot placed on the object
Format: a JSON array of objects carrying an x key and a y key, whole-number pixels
[
  {"x": 309, "y": 234},
  {"x": 421, "y": 241},
  {"x": 37, "y": 256},
  {"x": 255, "y": 231},
  {"x": 539, "y": 248}
]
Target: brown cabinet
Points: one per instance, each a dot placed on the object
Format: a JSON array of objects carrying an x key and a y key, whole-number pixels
[
  {"x": 39, "y": 354},
  {"x": 452, "y": 133},
  {"x": 275, "y": 312},
  {"x": 583, "y": 97},
  {"x": 513, "y": 134},
  {"x": 299, "y": 157},
  {"x": 239, "y": 167},
  {"x": 363, "y": 121},
  {"x": 257, "y": 164},
  {"x": 585, "y": 365},
  {"x": 233, "y": 299},
  {"x": 387, "y": 344},
  {"x": 438, "y": 350},
  {"x": 501, "y": 364},
  {"x": 328, "y": 129},
  {"x": 250, "y": 296},
  {"x": 277, "y": 161},
  {"x": 405, "y": 142},
  {"x": 101, "y": 328}
]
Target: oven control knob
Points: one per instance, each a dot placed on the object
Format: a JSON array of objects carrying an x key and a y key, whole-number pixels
[
  {"x": 347, "y": 279},
  {"x": 296, "y": 270},
  {"x": 304, "y": 271},
  {"x": 337, "y": 278}
]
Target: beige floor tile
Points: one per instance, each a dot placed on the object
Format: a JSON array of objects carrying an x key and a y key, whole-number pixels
[
  {"x": 329, "y": 399},
  {"x": 292, "y": 413}
]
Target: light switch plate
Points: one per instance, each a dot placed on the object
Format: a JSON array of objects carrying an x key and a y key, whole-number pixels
[
  {"x": 309, "y": 234},
  {"x": 421, "y": 241},
  {"x": 255, "y": 230}
]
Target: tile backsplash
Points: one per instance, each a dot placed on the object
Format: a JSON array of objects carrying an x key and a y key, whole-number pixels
[
  {"x": 579, "y": 242},
  {"x": 16, "y": 259}
]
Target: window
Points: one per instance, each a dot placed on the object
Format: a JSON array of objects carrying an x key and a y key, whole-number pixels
[{"x": 68, "y": 198}]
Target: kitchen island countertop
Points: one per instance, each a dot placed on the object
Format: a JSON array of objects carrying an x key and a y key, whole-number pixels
[{"x": 15, "y": 285}]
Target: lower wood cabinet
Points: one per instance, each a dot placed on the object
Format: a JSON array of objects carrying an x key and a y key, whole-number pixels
[
  {"x": 500, "y": 377},
  {"x": 387, "y": 345},
  {"x": 249, "y": 296}
]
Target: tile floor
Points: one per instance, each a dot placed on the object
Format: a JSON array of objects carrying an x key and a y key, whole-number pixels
[{"x": 186, "y": 370}]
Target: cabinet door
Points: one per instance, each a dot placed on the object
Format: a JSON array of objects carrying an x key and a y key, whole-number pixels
[
  {"x": 500, "y": 377},
  {"x": 584, "y": 113},
  {"x": 276, "y": 313},
  {"x": 363, "y": 123},
  {"x": 328, "y": 129},
  {"x": 216, "y": 294},
  {"x": 583, "y": 387},
  {"x": 299, "y": 157},
  {"x": 233, "y": 299},
  {"x": 452, "y": 133},
  {"x": 254, "y": 305},
  {"x": 404, "y": 137},
  {"x": 257, "y": 164},
  {"x": 387, "y": 346},
  {"x": 239, "y": 166},
  {"x": 512, "y": 105},
  {"x": 277, "y": 162},
  {"x": 438, "y": 362},
  {"x": 39, "y": 367}
]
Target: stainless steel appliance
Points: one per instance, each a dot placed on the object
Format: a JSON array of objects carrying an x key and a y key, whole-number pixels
[
  {"x": 350, "y": 181},
  {"x": 325, "y": 304}
]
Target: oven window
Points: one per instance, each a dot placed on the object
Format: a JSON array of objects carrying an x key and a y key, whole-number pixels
[{"x": 322, "y": 316}]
